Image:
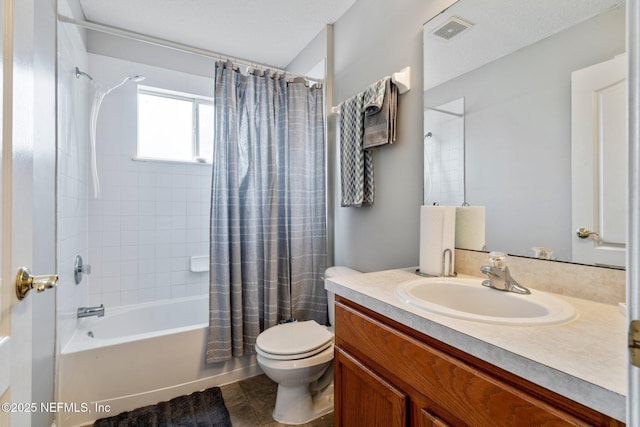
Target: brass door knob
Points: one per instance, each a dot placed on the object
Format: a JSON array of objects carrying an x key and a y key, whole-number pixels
[
  {"x": 585, "y": 233},
  {"x": 25, "y": 282}
]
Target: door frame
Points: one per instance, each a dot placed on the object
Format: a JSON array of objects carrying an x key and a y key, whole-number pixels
[
  {"x": 633, "y": 208},
  {"x": 5, "y": 248}
]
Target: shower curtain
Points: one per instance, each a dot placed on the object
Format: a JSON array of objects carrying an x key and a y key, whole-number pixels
[{"x": 268, "y": 213}]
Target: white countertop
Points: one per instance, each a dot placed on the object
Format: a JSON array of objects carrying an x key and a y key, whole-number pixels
[{"x": 584, "y": 359}]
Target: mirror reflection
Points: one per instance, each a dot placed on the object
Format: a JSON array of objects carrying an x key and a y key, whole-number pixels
[
  {"x": 515, "y": 82},
  {"x": 444, "y": 154}
]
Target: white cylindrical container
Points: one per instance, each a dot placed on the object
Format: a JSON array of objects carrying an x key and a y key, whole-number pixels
[{"x": 437, "y": 234}]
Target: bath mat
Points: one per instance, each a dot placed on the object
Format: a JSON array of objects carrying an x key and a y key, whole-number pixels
[{"x": 201, "y": 409}]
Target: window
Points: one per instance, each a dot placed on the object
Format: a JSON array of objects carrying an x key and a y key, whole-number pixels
[{"x": 174, "y": 126}]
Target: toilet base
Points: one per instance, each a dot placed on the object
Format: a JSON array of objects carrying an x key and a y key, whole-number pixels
[{"x": 296, "y": 405}]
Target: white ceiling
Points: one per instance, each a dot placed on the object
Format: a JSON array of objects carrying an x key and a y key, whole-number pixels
[
  {"x": 501, "y": 27},
  {"x": 270, "y": 32}
]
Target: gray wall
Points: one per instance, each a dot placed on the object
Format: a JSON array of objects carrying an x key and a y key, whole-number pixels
[
  {"x": 373, "y": 39},
  {"x": 311, "y": 55}
]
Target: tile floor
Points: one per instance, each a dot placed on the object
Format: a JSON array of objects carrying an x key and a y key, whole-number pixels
[{"x": 250, "y": 403}]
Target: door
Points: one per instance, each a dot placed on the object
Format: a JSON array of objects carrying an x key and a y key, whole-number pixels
[
  {"x": 633, "y": 267},
  {"x": 599, "y": 162},
  {"x": 5, "y": 348},
  {"x": 16, "y": 230},
  {"x": 27, "y": 213}
]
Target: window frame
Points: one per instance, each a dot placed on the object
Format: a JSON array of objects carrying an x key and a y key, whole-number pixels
[{"x": 196, "y": 101}]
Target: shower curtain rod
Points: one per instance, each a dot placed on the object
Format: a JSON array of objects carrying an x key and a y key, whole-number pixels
[{"x": 173, "y": 45}]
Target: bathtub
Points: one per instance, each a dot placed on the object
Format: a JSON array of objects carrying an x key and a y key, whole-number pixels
[{"x": 139, "y": 355}]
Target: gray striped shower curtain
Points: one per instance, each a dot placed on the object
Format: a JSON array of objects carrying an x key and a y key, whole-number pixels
[{"x": 268, "y": 209}]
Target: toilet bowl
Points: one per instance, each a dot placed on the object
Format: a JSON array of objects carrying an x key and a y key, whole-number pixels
[{"x": 298, "y": 356}]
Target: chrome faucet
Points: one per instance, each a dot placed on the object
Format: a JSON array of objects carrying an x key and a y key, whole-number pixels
[
  {"x": 499, "y": 275},
  {"x": 91, "y": 311}
]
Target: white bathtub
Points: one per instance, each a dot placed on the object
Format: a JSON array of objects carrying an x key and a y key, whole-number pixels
[{"x": 139, "y": 355}]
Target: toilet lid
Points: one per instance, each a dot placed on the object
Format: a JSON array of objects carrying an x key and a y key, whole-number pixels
[{"x": 294, "y": 338}]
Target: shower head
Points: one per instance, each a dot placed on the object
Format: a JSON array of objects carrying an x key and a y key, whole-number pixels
[
  {"x": 82, "y": 73},
  {"x": 98, "y": 97},
  {"x": 136, "y": 78}
]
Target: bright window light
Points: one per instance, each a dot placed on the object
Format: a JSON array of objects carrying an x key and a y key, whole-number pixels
[
  {"x": 173, "y": 126},
  {"x": 205, "y": 131}
]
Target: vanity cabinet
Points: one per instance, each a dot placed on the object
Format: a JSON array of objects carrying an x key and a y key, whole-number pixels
[{"x": 387, "y": 375}]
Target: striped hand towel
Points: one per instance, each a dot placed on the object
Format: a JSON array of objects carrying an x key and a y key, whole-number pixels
[{"x": 356, "y": 164}]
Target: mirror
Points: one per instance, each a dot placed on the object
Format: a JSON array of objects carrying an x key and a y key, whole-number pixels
[
  {"x": 444, "y": 154},
  {"x": 511, "y": 63}
]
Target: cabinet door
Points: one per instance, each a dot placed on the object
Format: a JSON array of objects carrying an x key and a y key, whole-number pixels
[{"x": 363, "y": 398}]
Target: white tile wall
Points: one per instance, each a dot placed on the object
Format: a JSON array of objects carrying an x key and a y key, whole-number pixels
[
  {"x": 143, "y": 234},
  {"x": 150, "y": 216}
]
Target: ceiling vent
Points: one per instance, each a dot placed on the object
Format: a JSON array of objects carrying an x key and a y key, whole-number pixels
[{"x": 451, "y": 28}]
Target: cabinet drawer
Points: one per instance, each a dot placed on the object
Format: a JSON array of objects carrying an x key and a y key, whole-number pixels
[{"x": 445, "y": 386}]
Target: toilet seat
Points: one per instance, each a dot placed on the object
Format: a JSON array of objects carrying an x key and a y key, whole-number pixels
[{"x": 296, "y": 340}]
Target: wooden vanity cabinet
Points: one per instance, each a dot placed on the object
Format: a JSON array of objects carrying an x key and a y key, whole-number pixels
[{"x": 389, "y": 375}]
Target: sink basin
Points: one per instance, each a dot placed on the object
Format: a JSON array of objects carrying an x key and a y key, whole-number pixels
[{"x": 466, "y": 298}]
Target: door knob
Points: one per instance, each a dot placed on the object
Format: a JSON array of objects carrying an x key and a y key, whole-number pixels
[
  {"x": 585, "y": 233},
  {"x": 25, "y": 282}
]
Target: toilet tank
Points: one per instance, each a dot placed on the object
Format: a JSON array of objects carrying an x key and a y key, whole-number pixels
[{"x": 332, "y": 272}]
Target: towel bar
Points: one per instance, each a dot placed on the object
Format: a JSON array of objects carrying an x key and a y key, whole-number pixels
[{"x": 402, "y": 79}]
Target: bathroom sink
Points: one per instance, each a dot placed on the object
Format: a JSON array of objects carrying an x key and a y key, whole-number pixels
[{"x": 466, "y": 298}]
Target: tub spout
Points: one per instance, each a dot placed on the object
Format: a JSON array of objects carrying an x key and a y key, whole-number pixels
[{"x": 91, "y": 311}]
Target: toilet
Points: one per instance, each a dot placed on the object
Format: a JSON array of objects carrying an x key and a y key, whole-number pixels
[{"x": 298, "y": 356}]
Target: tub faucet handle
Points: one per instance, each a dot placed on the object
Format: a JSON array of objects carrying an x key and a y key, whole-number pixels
[{"x": 80, "y": 268}]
